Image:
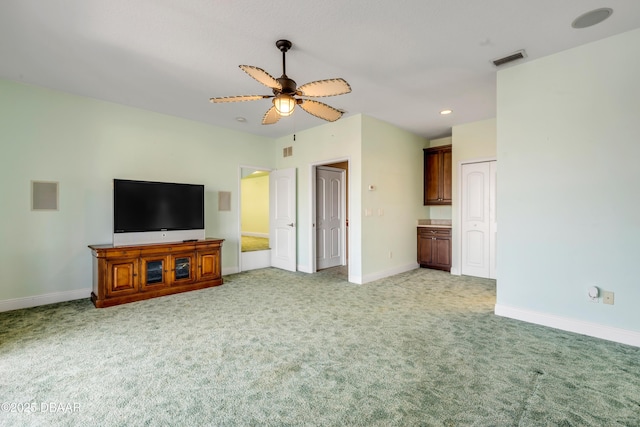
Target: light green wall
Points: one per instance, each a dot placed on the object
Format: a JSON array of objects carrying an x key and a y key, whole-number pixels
[
  {"x": 568, "y": 204},
  {"x": 84, "y": 144},
  {"x": 381, "y": 155},
  {"x": 392, "y": 161},
  {"x": 255, "y": 204},
  {"x": 471, "y": 142},
  {"x": 447, "y": 140},
  {"x": 325, "y": 144}
]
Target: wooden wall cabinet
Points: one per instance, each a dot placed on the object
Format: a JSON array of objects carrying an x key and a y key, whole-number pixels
[
  {"x": 434, "y": 248},
  {"x": 437, "y": 175},
  {"x": 133, "y": 273}
]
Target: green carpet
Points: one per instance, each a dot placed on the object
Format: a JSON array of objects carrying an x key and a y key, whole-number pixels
[
  {"x": 251, "y": 243},
  {"x": 273, "y": 348}
]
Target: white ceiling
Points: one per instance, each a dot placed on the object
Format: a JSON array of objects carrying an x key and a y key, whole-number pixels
[{"x": 405, "y": 59}]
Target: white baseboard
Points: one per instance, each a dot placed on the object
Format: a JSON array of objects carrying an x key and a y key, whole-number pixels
[
  {"x": 391, "y": 272},
  {"x": 254, "y": 260},
  {"x": 355, "y": 279},
  {"x": 622, "y": 336},
  {"x": 52, "y": 298},
  {"x": 304, "y": 268}
]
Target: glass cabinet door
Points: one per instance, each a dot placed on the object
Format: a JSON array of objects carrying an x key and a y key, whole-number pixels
[
  {"x": 154, "y": 271},
  {"x": 182, "y": 267}
]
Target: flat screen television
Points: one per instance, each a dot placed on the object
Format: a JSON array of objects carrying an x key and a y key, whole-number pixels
[{"x": 150, "y": 212}]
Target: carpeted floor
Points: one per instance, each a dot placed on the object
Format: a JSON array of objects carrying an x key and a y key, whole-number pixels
[
  {"x": 251, "y": 243},
  {"x": 273, "y": 348}
]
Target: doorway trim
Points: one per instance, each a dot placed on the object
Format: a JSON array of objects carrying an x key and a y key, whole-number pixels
[
  {"x": 341, "y": 259},
  {"x": 313, "y": 214}
]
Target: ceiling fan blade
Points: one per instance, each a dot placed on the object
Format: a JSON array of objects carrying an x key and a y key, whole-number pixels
[
  {"x": 271, "y": 116},
  {"x": 321, "y": 110},
  {"x": 261, "y": 76},
  {"x": 329, "y": 87},
  {"x": 239, "y": 98}
]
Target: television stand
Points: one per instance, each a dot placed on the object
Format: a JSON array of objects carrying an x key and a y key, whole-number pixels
[{"x": 124, "y": 274}]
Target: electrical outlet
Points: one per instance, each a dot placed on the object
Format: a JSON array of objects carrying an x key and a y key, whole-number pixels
[{"x": 607, "y": 297}]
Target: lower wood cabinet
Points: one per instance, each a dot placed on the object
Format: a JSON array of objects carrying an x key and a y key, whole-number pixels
[
  {"x": 134, "y": 273},
  {"x": 123, "y": 277},
  {"x": 434, "y": 248},
  {"x": 208, "y": 265}
]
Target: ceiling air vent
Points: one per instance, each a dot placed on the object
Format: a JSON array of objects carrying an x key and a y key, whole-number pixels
[{"x": 510, "y": 58}]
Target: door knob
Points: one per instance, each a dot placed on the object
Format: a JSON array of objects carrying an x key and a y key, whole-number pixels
[{"x": 290, "y": 225}]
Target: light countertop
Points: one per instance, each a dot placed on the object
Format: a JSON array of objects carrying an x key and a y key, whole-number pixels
[{"x": 434, "y": 223}]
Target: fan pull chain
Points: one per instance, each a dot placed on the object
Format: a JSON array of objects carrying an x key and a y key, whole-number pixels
[{"x": 295, "y": 120}]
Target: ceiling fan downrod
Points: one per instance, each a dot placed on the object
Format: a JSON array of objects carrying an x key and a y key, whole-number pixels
[
  {"x": 289, "y": 86},
  {"x": 284, "y": 46}
]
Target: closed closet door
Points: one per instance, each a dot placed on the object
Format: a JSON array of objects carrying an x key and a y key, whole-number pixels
[{"x": 479, "y": 225}]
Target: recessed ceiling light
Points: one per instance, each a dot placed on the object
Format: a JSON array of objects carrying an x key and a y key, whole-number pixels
[
  {"x": 241, "y": 119},
  {"x": 445, "y": 112},
  {"x": 592, "y": 18}
]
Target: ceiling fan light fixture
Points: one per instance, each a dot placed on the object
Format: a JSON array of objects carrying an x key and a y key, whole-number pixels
[
  {"x": 285, "y": 91},
  {"x": 284, "y": 104}
]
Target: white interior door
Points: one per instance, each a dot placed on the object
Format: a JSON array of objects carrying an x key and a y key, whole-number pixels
[
  {"x": 330, "y": 215},
  {"x": 478, "y": 219},
  {"x": 282, "y": 214}
]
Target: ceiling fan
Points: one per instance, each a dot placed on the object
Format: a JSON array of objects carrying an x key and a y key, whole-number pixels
[{"x": 286, "y": 95}]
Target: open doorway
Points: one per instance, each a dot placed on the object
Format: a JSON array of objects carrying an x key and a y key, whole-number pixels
[
  {"x": 330, "y": 200},
  {"x": 255, "y": 248}
]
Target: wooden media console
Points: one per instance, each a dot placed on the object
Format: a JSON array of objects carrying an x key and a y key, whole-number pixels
[{"x": 125, "y": 274}]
